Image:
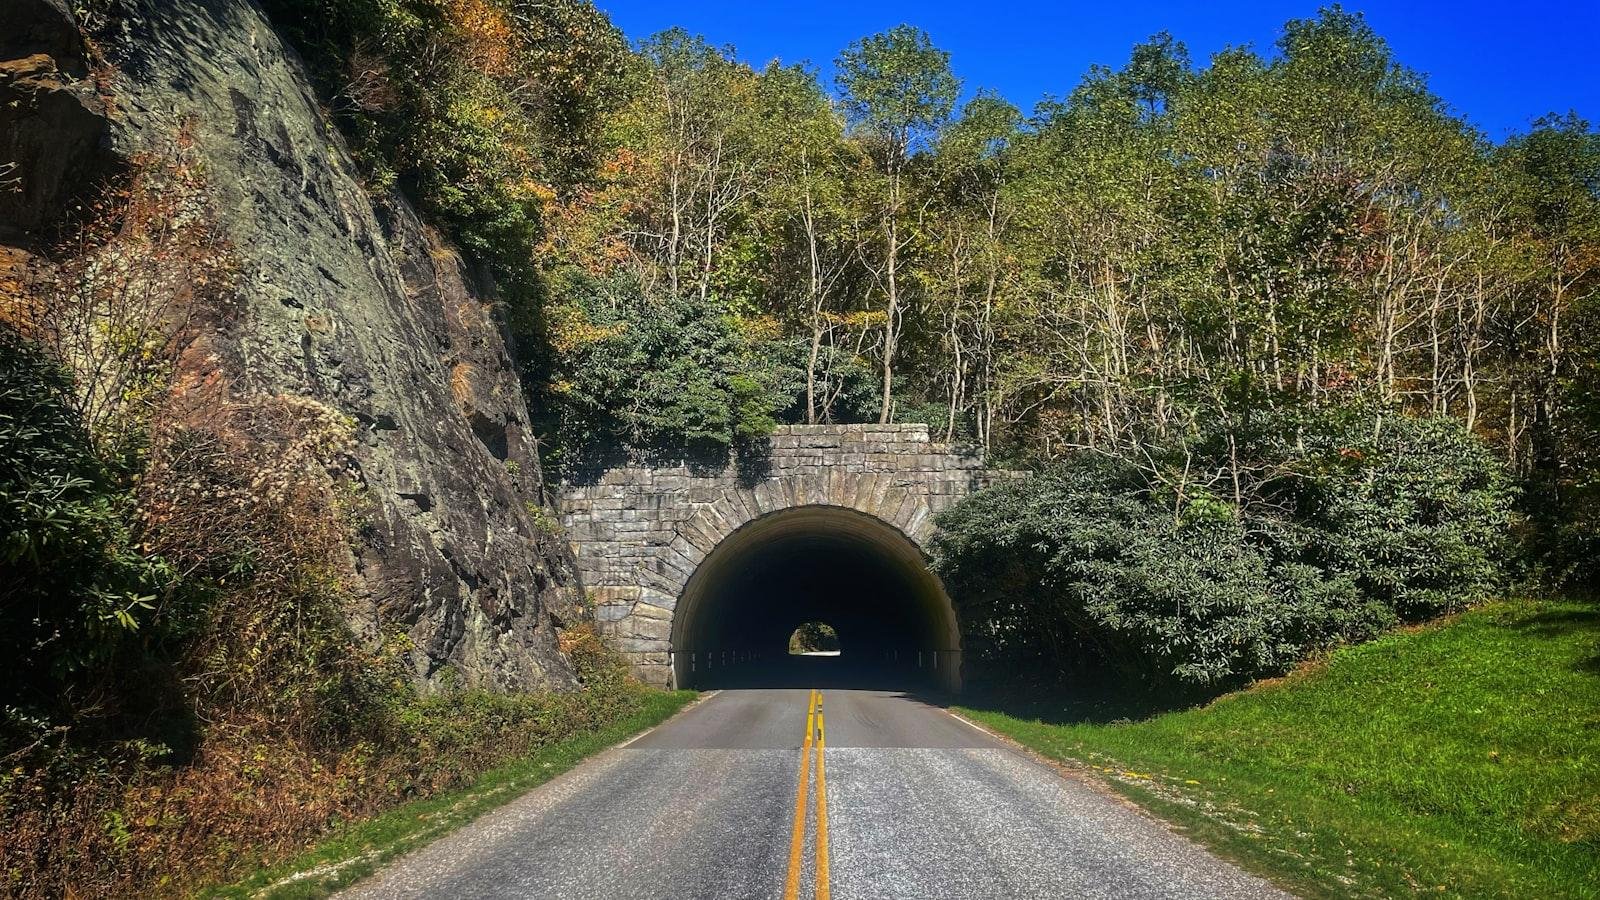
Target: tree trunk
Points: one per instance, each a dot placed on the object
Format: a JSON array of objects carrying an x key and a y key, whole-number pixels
[{"x": 891, "y": 325}]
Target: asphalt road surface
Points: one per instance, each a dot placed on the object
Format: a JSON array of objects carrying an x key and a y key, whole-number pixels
[{"x": 918, "y": 803}]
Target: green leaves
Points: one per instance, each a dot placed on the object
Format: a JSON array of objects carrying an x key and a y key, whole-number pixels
[
  {"x": 975, "y": 142},
  {"x": 1349, "y": 523},
  {"x": 897, "y": 85},
  {"x": 674, "y": 375},
  {"x": 72, "y": 582},
  {"x": 1175, "y": 241}
]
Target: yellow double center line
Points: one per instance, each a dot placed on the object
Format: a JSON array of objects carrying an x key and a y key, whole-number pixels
[{"x": 816, "y": 736}]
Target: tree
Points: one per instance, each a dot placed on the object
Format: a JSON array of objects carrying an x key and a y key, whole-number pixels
[
  {"x": 1551, "y": 183},
  {"x": 808, "y": 240},
  {"x": 898, "y": 92},
  {"x": 970, "y": 261},
  {"x": 694, "y": 120}
]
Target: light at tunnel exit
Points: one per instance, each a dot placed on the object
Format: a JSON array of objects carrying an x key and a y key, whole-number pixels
[
  {"x": 814, "y": 638},
  {"x": 815, "y": 564}
]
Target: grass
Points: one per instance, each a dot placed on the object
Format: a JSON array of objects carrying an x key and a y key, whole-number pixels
[
  {"x": 1458, "y": 759},
  {"x": 364, "y": 847}
]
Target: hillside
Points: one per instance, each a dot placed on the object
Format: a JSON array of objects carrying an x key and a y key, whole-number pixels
[
  {"x": 276, "y": 544},
  {"x": 1457, "y": 759}
]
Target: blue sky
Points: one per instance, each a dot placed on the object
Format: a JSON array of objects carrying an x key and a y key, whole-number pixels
[{"x": 1498, "y": 64}]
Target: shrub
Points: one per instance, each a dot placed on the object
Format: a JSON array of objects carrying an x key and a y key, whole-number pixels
[
  {"x": 294, "y": 724},
  {"x": 124, "y": 824},
  {"x": 72, "y": 584},
  {"x": 1076, "y": 564},
  {"x": 1414, "y": 512},
  {"x": 1349, "y": 523},
  {"x": 674, "y": 374}
]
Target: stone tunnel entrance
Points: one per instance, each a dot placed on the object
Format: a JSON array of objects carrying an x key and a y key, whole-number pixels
[
  {"x": 695, "y": 570},
  {"x": 896, "y": 626}
]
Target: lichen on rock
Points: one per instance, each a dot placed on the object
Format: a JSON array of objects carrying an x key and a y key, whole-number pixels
[{"x": 344, "y": 298}]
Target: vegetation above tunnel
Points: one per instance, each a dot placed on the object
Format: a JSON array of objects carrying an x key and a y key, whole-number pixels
[{"x": 1159, "y": 254}]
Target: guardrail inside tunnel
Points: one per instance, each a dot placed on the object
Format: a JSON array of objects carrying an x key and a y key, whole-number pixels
[{"x": 886, "y": 670}]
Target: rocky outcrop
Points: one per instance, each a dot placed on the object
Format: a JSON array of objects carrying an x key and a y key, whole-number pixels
[
  {"x": 54, "y": 139},
  {"x": 346, "y": 298}
]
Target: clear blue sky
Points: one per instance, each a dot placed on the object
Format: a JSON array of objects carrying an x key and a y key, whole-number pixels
[{"x": 1500, "y": 64}]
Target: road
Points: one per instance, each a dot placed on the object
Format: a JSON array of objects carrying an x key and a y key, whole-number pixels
[{"x": 918, "y": 804}]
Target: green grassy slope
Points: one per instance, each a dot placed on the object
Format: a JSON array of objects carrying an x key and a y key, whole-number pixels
[{"x": 1460, "y": 759}]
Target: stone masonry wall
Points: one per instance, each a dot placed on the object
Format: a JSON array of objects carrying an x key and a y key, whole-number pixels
[{"x": 640, "y": 530}]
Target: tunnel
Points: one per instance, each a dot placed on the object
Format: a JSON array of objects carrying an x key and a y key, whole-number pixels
[{"x": 895, "y": 624}]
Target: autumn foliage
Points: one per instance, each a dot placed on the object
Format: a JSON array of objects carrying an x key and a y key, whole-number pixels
[{"x": 187, "y": 698}]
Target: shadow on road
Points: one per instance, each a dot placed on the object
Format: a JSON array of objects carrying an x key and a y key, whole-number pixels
[
  {"x": 838, "y": 672},
  {"x": 1096, "y": 699}
]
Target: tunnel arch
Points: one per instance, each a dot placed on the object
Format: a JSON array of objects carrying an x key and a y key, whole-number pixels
[
  {"x": 858, "y": 572},
  {"x": 641, "y": 526}
]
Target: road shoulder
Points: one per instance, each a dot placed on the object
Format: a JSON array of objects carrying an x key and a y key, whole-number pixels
[
  {"x": 364, "y": 848},
  {"x": 1148, "y": 806}
]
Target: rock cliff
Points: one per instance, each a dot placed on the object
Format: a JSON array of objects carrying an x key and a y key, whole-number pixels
[{"x": 347, "y": 298}]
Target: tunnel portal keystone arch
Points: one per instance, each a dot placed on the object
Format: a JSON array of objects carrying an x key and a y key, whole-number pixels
[{"x": 640, "y": 531}]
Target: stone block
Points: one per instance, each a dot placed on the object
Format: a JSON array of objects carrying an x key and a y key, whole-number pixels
[
  {"x": 624, "y": 595},
  {"x": 769, "y": 497},
  {"x": 813, "y": 490},
  {"x": 641, "y": 645},
  {"x": 861, "y": 493},
  {"x": 838, "y": 485},
  {"x": 642, "y": 628},
  {"x": 905, "y": 510},
  {"x": 699, "y": 491},
  {"x": 653, "y": 675},
  {"x": 651, "y": 611},
  {"x": 611, "y": 612},
  {"x": 919, "y": 525}
]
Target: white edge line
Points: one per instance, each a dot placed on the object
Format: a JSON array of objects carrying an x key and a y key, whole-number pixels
[
  {"x": 966, "y": 721},
  {"x": 697, "y": 701},
  {"x": 1076, "y": 771}
]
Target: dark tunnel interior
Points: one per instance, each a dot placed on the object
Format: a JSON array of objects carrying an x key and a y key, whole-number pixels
[{"x": 895, "y": 623}]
